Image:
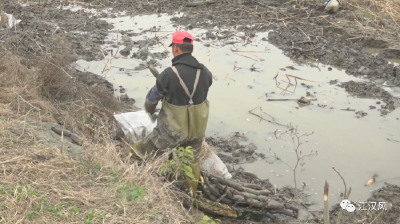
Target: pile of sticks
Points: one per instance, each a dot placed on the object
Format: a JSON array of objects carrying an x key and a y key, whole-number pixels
[{"x": 220, "y": 193}]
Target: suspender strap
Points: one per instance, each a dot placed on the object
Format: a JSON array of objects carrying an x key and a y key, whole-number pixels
[{"x": 184, "y": 85}]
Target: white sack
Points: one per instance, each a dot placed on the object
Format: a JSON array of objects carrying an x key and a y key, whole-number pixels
[
  {"x": 11, "y": 20},
  {"x": 214, "y": 165},
  {"x": 137, "y": 125}
]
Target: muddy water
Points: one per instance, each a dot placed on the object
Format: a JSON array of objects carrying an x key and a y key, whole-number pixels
[
  {"x": 358, "y": 148},
  {"x": 376, "y": 51}
]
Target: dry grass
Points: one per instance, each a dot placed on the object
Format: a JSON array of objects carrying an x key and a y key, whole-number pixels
[
  {"x": 385, "y": 10},
  {"x": 40, "y": 184}
]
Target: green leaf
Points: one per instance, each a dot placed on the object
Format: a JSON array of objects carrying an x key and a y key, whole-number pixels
[
  {"x": 190, "y": 175},
  {"x": 185, "y": 160},
  {"x": 108, "y": 215},
  {"x": 206, "y": 218}
]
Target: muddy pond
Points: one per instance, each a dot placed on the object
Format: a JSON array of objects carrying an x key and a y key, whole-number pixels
[{"x": 357, "y": 146}]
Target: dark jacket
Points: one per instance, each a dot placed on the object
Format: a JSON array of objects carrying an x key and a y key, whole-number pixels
[{"x": 168, "y": 84}]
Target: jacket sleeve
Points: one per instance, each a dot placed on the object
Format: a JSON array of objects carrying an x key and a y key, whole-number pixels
[
  {"x": 153, "y": 97},
  {"x": 210, "y": 78},
  {"x": 162, "y": 83}
]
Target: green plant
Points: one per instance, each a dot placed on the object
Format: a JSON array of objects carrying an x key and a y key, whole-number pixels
[
  {"x": 18, "y": 191},
  {"x": 206, "y": 219},
  {"x": 74, "y": 209},
  {"x": 56, "y": 209},
  {"x": 153, "y": 217},
  {"x": 96, "y": 169},
  {"x": 6, "y": 191},
  {"x": 31, "y": 216},
  {"x": 89, "y": 217},
  {"x": 84, "y": 118},
  {"x": 180, "y": 163},
  {"x": 116, "y": 175},
  {"x": 131, "y": 193}
]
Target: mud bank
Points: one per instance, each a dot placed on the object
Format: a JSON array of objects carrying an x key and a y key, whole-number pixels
[
  {"x": 310, "y": 41},
  {"x": 313, "y": 39}
]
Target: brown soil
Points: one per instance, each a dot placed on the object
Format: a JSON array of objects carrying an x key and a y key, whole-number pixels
[{"x": 38, "y": 85}]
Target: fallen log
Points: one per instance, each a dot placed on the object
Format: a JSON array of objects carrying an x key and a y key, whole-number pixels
[
  {"x": 230, "y": 211},
  {"x": 207, "y": 192},
  {"x": 237, "y": 197},
  {"x": 247, "y": 195},
  {"x": 229, "y": 183},
  {"x": 222, "y": 196},
  {"x": 74, "y": 137},
  {"x": 256, "y": 203},
  {"x": 274, "y": 205},
  {"x": 283, "y": 212},
  {"x": 257, "y": 192},
  {"x": 253, "y": 186},
  {"x": 59, "y": 130},
  {"x": 212, "y": 189}
]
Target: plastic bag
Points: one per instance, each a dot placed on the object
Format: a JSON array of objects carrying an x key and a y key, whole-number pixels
[
  {"x": 137, "y": 125},
  {"x": 214, "y": 165},
  {"x": 8, "y": 20}
]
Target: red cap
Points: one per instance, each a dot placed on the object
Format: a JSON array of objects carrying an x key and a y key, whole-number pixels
[{"x": 178, "y": 36}]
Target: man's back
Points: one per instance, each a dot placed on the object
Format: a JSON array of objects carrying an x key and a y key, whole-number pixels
[{"x": 168, "y": 83}]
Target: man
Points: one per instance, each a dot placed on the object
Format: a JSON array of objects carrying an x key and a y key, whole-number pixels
[{"x": 183, "y": 89}]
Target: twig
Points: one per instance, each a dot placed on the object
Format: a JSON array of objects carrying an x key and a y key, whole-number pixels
[
  {"x": 313, "y": 99},
  {"x": 344, "y": 182},
  {"x": 348, "y": 193},
  {"x": 159, "y": 41},
  {"x": 19, "y": 96},
  {"x": 377, "y": 216},
  {"x": 248, "y": 51},
  {"x": 226, "y": 76},
  {"x": 326, "y": 203},
  {"x": 246, "y": 57},
  {"x": 303, "y": 33},
  {"x": 56, "y": 67},
  {"x": 392, "y": 140},
  {"x": 194, "y": 4},
  {"x": 236, "y": 68},
  {"x": 251, "y": 112},
  {"x": 296, "y": 77},
  {"x": 10, "y": 160},
  {"x": 348, "y": 109},
  {"x": 345, "y": 196},
  {"x": 62, "y": 142},
  {"x": 23, "y": 129}
]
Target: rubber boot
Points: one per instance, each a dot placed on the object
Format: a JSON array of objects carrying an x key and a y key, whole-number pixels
[
  {"x": 136, "y": 150},
  {"x": 190, "y": 184}
]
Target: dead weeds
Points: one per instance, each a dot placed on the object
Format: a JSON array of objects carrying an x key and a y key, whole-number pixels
[{"x": 41, "y": 184}]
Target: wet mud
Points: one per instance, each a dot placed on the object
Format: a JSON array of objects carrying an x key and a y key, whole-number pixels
[
  {"x": 309, "y": 40},
  {"x": 368, "y": 212},
  {"x": 371, "y": 91},
  {"x": 235, "y": 149}
]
